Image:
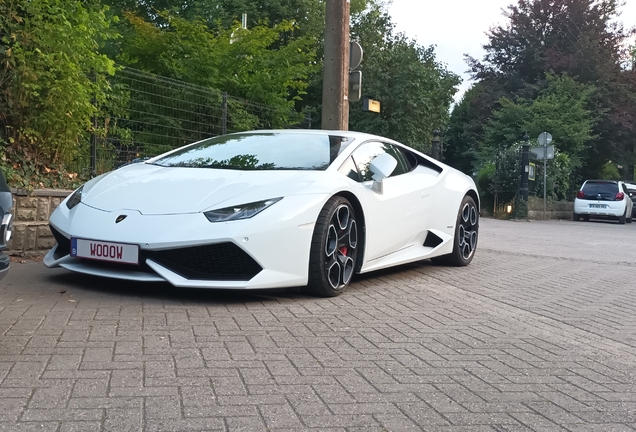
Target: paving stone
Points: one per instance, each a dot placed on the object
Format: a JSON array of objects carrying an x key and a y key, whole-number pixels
[
  {"x": 535, "y": 335},
  {"x": 51, "y": 398},
  {"x": 81, "y": 427},
  {"x": 123, "y": 420}
]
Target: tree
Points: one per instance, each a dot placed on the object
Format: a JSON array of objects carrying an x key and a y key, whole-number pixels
[
  {"x": 466, "y": 127},
  {"x": 575, "y": 37},
  {"x": 561, "y": 109},
  {"x": 50, "y": 74},
  {"x": 562, "y": 36},
  {"x": 239, "y": 61},
  {"x": 308, "y": 15},
  {"x": 414, "y": 89}
]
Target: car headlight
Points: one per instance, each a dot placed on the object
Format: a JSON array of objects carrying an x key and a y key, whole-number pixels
[
  {"x": 75, "y": 199},
  {"x": 238, "y": 212}
]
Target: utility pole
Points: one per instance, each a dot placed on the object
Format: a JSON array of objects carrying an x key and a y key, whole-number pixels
[{"x": 335, "y": 84}]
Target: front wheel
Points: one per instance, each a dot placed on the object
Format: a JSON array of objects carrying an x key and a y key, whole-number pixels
[
  {"x": 334, "y": 248},
  {"x": 466, "y": 234}
]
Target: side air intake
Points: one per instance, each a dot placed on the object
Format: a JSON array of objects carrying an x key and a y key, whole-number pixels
[{"x": 432, "y": 240}]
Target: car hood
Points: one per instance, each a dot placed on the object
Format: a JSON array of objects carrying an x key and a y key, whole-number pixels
[{"x": 152, "y": 189}]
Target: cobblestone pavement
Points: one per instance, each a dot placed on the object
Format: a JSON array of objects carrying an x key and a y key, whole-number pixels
[{"x": 537, "y": 334}]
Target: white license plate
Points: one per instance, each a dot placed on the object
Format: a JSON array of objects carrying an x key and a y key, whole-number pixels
[
  {"x": 105, "y": 251},
  {"x": 601, "y": 206}
]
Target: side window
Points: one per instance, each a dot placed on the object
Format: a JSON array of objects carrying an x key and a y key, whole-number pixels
[
  {"x": 410, "y": 158},
  {"x": 364, "y": 154},
  {"x": 403, "y": 165},
  {"x": 349, "y": 169}
]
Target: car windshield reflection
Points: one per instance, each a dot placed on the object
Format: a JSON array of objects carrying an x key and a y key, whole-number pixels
[{"x": 258, "y": 151}]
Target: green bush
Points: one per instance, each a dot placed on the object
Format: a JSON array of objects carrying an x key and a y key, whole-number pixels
[
  {"x": 610, "y": 172},
  {"x": 25, "y": 173},
  {"x": 52, "y": 77}
]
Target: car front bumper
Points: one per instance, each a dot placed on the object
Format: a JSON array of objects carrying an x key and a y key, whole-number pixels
[{"x": 277, "y": 240}]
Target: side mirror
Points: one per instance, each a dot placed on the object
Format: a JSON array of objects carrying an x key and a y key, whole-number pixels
[{"x": 381, "y": 167}]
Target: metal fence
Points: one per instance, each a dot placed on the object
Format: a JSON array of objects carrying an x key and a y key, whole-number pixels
[
  {"x": 149, "y": 114},
  {"x": 505, "y": 184}
]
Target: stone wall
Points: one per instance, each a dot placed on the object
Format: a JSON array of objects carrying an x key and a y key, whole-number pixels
[
  {"x": 554, "y": 209},
  {"x": 31, "y": 211}
]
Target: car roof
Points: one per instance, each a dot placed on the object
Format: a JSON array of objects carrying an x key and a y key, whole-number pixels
[{"x": 348, "y": 134}]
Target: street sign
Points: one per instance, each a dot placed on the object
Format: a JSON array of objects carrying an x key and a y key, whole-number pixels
[
  {"x": 355, "y": 86},
  {"x": 545, "y": 152},
  {"x": 531, "y": 171},
  {"x": 538, "y": 152},
  {"x": 545, "y": 139},
  {"x": 371, "y": 105},
  {"x": 355, "y": 55}
]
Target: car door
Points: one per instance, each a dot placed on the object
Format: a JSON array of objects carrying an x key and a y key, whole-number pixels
[
  {"x": 628, "y": 201},
  {"x": 397, "y": 217},
  {"x": 631, "y": 190}
]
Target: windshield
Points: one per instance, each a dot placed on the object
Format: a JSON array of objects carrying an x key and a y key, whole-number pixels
[{"x": 259, "y": 151}]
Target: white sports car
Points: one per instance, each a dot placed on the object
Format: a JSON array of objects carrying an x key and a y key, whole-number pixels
[{"x": 268, "y": 209}]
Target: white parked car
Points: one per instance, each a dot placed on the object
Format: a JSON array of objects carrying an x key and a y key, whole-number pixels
[
  {"x": 631, "y": 190},
  {"x": 268, "y": 209},
  {"x": 603, "y": 199}
]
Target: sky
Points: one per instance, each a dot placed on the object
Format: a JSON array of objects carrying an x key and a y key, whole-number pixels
[{"x": 458, "y": 27}]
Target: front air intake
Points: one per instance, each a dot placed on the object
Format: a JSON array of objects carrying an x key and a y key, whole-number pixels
[
  {"x": 221, "y": 261},
  {"x": 63, "y": 244}
]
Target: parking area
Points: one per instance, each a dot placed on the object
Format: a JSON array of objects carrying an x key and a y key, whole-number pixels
[{"x": 537, "y": 334}]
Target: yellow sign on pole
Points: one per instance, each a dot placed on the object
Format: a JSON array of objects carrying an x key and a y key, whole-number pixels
[
  {"x": 371, "y": 105},
  {"x": 531, "y": 171}
]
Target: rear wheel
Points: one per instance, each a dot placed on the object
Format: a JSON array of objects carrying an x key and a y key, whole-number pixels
[
  {"x": 466, "y": 234},
  {"x": 334, "y": 249},
  {"x": 576, "y": 217},
  {"x": 622, "y": 219}
]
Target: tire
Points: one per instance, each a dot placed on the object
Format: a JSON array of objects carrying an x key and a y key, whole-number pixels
[
  {"x": 466, "y": 236},
  {"x": 576, "y": 217},
  {"x": 586, "y": 218},
  {"x": 622, "y": 219},
  {"x": 334, "y": 249}
]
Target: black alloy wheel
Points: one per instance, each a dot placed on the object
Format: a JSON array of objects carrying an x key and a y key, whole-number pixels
[
  {"x": 466, "y": 235},
  {"x": 334, "y": 248}
]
